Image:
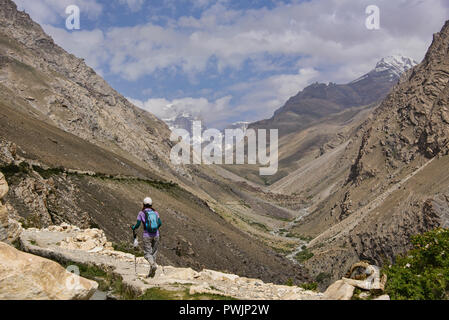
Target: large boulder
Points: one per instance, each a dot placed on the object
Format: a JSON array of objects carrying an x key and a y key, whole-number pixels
[
  {"x": 3, "y": 186},
  {"x": 9, "y": 229},
  {"x": 25, "y": 276},
  {"x": 340, "y": 290}
]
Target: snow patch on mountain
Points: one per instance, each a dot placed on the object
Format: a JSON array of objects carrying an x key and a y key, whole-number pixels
[{"x": 395, "y": 65}]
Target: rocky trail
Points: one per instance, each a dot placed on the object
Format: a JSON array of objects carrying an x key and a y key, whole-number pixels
[{"x": 90, "y": 247}]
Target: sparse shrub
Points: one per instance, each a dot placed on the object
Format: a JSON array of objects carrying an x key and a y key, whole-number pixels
[
  {"x": 304, "y": 255},
  {"x": 323, "y": 277},
  {"x": 422, "y": 273},
  {"x": 259, "y": 225},
  {"x": 47, "y": 173},
  {"x": 312, "y": 286},
  {"x": 289, "y": 282},
  {"x": 12, "y": 170}
]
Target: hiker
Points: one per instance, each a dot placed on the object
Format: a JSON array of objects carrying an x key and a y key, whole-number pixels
[{"x": 151, "y": 224}]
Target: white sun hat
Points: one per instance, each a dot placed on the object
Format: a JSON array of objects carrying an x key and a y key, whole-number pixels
[{"x": 148, "y": 201}]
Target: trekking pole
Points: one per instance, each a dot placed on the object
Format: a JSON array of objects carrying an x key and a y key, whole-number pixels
[{"x": 135, "y": 245}]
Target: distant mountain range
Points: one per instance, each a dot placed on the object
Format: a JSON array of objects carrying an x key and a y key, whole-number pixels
[
  {"x": 320, "y": 100},
  {"x": 321, "y": 116},
  {"x": 317, "y": 100}
]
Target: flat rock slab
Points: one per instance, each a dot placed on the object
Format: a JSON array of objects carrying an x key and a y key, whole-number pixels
[{"x": 24, "y": 276}]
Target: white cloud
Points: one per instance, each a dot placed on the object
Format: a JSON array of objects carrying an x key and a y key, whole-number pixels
[
  {"x": 327, "y": 38},
  {"x": 53, "y": 11},
  {"x": 260, "y": 97},
  {"x": 322, "y": 32},
  {"x": 212, "y": 112},
  {"x": 263, "y": 97}
]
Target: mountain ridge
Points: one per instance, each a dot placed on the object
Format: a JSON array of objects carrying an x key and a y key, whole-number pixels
[
  {"x": 319, "y": 100},
  {"x": 398, "y": 184}
]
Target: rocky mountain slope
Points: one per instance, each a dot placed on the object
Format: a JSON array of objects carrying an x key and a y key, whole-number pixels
[
  {"x": 398, "y": 184},
  {"x": 62, "y": 90},
  {"x": 74, "y": 150}
]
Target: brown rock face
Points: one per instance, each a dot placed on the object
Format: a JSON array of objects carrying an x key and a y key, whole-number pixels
[
  {"x": 29, "y": 277},
  {"x": 414, "y": 119},
  {"x": 398, "y": 185}
]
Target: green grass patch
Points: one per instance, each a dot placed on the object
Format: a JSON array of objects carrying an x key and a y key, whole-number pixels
[
  {"x": 127, "y": 248},
  {"x": 24, "y": 168},
  {"x": 312, "y": 286},
  {"x": 47, "y": 173},
  {"x": 304, "y": 255},
  {"x": 299, "y": 236},
  {"x": 107, "y": 281},
  {"x": 13, "y": 170},
  {"x": 283, "y": 251},
  {"x": 259, "y": 225},
  {"x": 289, "y": 282}
]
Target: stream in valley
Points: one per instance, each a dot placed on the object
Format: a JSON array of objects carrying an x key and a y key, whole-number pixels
[{"x": 282, "y": 232}]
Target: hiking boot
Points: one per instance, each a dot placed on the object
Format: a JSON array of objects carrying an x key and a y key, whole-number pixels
[{"x": 152, "y": 272}]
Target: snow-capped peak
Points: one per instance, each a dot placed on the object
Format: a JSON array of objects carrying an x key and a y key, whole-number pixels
[{"x": 396, "y": 64}]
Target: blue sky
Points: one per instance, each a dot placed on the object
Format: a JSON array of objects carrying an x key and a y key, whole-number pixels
[{"x": 229, "y": 60}]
